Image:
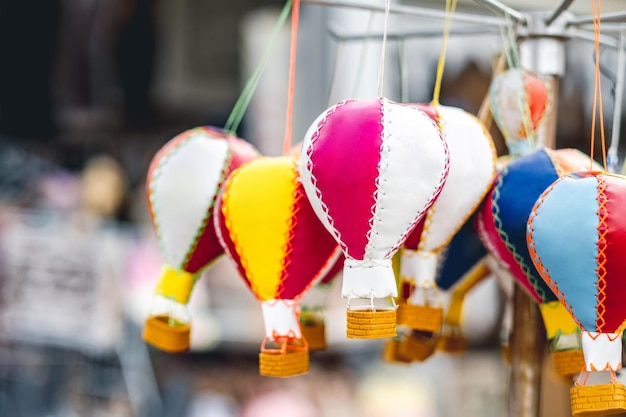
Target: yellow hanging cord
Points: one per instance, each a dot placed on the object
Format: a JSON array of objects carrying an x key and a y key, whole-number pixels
[
  {"x": 473, "y": 277},
  {"x": 597, "y": 86},
  {"x": 447, "y": 24}
]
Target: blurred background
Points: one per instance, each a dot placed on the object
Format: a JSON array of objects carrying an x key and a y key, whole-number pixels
[{"x": 90, "y": 89}]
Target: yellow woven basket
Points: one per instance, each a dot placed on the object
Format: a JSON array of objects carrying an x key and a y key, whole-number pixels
[
  {"x": 159, "y": 333},
  {"x": 418, "y": 347},
  {"x": 452, "y": 343},
  {"x": 282, "y": 365},
  {"x": 598, "y": 400},
  {"x": 420, "y": 317},
  {"x": 370, "y": 324},
  {"x": 391, "y": 354},
  {"x": 315, "y": 334},
  {"x": 568, "y": 362}
]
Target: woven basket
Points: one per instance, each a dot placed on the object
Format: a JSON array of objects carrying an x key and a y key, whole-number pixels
[
  {"x": 282, "y": 365},
  {"x": 391, "y": 354},
  {"x": 598, "y": 400},
  {"x": 418, "y": 347},
  {"x": 170, "y": 338},
  {"x": 420, "y": 317},
  {"x": 371, "y": 324},
  {"x": 568, "y": 362},
  {"x": 315, "y": 334},
  {"x": 452, "y": 343}
]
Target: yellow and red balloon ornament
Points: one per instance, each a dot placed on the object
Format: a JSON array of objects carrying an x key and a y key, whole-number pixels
[
  {"x": 471, "y": 174},
  {"x": 371, "y": 169},
  {"x": 268, "y": 228},
  {"x": 576, "y": 238},
  {"x": 183, "y": 181}
]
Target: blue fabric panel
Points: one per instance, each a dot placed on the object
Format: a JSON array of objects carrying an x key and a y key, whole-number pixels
[
  {"x": 517, "y": 190},
  {"x": 565, "y": 232}
]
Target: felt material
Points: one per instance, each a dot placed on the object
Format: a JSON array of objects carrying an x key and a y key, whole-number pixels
[
  {"x": 516, "y": 94},
  {"x": 615, "y": 256},
  {"x": 602, "y": 351},
  {"x": 175, "y": 284},
  {"x": 183, "y": 180},
  {"x": 464, "y": 251},
  {"x": 409, "y": 153},
  {"x": 564, "y": 229},
  {"x": 362, "y": 280},
  {"x": 280, "y": 319},
  {"x": 557, "y": 319},
  {"x": 492, "y": 240},
  {"x": 269, "y": 229},
  {"x": 472, "y": 171},
  {"x": 515, "y": 192}
]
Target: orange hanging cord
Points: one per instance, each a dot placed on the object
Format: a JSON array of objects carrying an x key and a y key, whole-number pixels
[
  {"x": 597, "y": 87},
  {"x": 295, "y": 20}
]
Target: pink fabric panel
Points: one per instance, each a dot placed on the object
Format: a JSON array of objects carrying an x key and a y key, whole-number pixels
[{"x": 349, "y": 146}]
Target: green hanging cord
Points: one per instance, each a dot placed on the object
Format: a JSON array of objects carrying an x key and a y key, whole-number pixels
[{"x": 239, "y": 109}]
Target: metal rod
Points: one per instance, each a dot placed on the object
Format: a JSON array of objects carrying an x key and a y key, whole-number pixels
[
  {"x": 588, "y": 36},
  {"x": 612, "y": 157},
  {"x": 413, "y": 11},
  {"x": 502, "y": 10},
  {"x": 341, "y": 35},
  {"x": 562, "y": 7},
  {"x": 617, "y": 17}
]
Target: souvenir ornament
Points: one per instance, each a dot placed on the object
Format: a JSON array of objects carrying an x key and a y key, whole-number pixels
[
  {"x": 472, "y": 170},
  {"x": 576, "y": 237},
  {"x": 502, "y": 228},
  {"x": 183, "y": 180},
  {"x": 371, "y": 169},
  {"x": 312, "y": 322},
  {"x": 267, "y": 226},
  {"x": 520, "y": 102}
]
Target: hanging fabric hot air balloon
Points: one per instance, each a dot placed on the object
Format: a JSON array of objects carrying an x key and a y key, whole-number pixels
[
  {"x": 520, "y": 102},
  {"x": 183, "y": 181},
  {"x": 371, "y": 168},
  {"x": 577, "y": 238},
  {"x": 267, "y": 226},
  {"x": 312, "y": 322},
  {"x": 472, "y": 170},
  {"x": 502, "y": 228}
]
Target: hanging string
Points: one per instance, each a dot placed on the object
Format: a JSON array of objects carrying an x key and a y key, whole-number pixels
[
  {"x": 509, "y": 42},
  {"x": 597, "y": 87},
  {"x": 447, "y": 24},
  {"x": 381, "y": 70},
  {"x": 402, "y": 69},
  {"x": 333, "y": 75},
  {"x": 295, "y": 20},
  {"x": 239, "y": 109},
  {"x": 363, "y": 56}
]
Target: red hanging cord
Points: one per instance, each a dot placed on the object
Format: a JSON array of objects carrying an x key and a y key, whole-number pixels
[
  {"x": 295, "y": 19},
  {"x": 597, "y": 87}
]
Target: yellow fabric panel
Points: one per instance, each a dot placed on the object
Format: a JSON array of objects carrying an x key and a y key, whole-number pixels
[
  {"x": 258, "y": 204},
  {"x": 473, "y": 277},
  {"x": 175, "y": 284},
  {"x": 557, "y": 319}
]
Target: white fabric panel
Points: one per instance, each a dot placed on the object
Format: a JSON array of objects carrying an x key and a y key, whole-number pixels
[
  {"x": 413, "y": 160},
  {"x": 310, "y": 187},
  {"x": 280, "y": 317},
  {"x": 361, "y": 279},
  {"x": 183, "y": 190},
  {"x": 508, "y": 93},
  {"x": 419, "y": 266},
  {"x": 602, "y": 351},
  {"x": 472, "y": 169}
]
